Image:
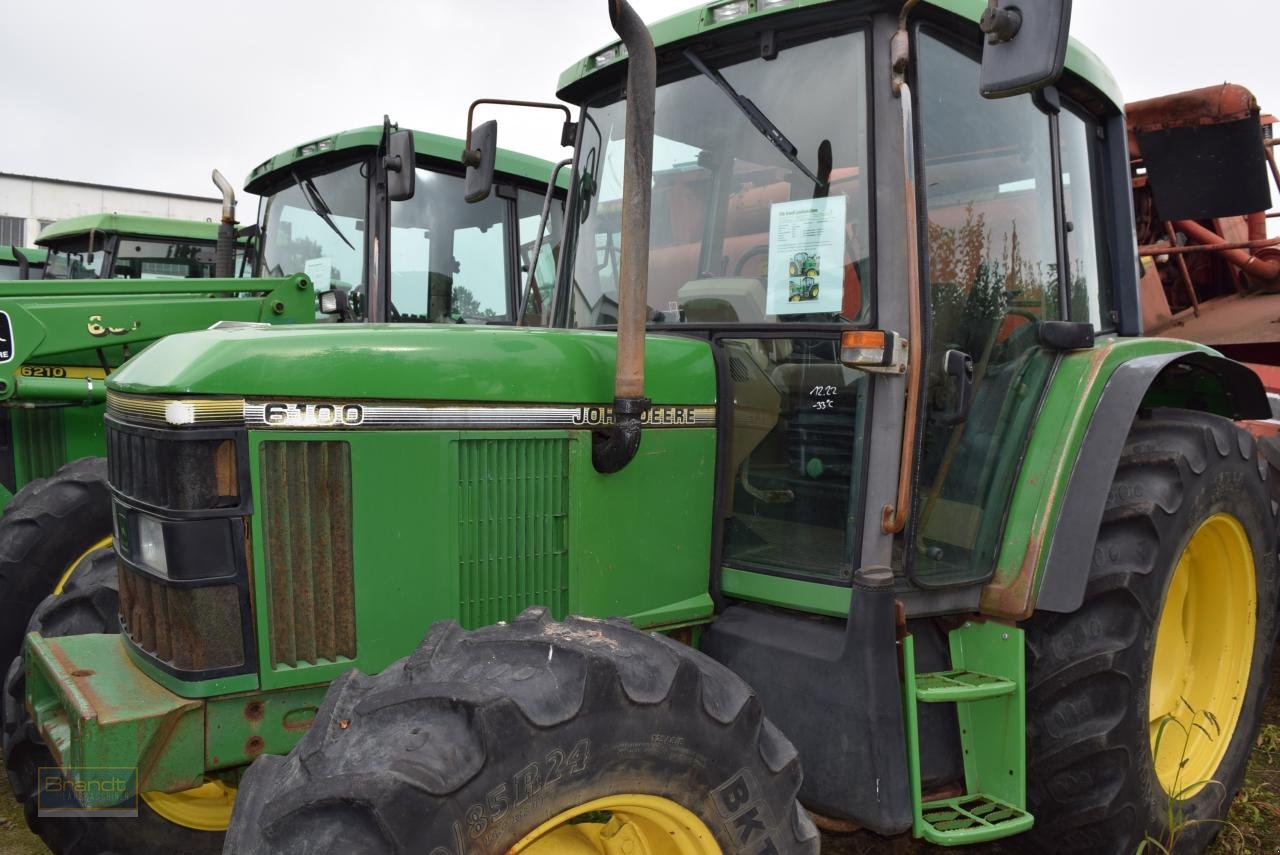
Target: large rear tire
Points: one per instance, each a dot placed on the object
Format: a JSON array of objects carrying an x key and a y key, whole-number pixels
[
  {"x": 534, "y": 737},
  {"x": 88, "y": 603},
  {"x": 49, "y": 526},
  {"x": 1179, "y": 618}
]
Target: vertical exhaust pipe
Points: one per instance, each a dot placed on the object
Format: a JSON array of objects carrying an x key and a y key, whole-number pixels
[
  {"x": 613, "y": 449},
  {"x": 224, "y": 259}
]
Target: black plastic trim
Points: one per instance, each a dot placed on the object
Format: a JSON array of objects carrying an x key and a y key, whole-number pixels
[
  {"x": 832, "y": 687},
  {"x": 1066, "y": 570},
  {"x": 244, "y": 484}
]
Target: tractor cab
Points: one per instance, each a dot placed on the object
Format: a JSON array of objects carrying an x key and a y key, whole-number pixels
[
  {"x": 418, "y": 255},
  {"x": 120, "y": 246}
]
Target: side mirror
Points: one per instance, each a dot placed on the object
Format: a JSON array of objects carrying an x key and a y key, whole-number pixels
[
  {"x": 479, "y": 159},
  {"x": 399, "y": 162},
  {"x": 1026, "y": 46}
]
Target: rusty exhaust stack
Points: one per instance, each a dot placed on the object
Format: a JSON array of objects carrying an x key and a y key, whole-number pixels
[
  {"x": 613, "y": 449},
  {"x": 224, "y": 259}
]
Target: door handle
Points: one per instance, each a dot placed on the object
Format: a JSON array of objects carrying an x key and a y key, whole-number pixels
[{"x": 959, "y": 368}]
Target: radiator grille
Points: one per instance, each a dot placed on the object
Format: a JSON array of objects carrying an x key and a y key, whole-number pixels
[
  {"x": 39, "y": 441},
  {"x": 306, "y": 522},
  {"x": 190, "y": 629},
  {"x": 512, "y": 527}
]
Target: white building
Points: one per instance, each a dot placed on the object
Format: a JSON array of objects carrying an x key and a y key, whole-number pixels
[{"x": 28, "y": 203}]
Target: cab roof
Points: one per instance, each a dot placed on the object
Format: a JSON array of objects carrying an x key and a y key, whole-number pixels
[
  {"x": 511, "y": 163},
  {"x": 698, "y": 20},
  {"x": 127, "y": 224}
]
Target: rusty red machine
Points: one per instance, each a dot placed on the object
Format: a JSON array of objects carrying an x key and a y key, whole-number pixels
[{"x": 1202, "y": 164}]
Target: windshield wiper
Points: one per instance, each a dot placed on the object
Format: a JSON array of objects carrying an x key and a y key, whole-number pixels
[
  {"x": 317, "y": 203},
  {"x": 758, "y": 120}
]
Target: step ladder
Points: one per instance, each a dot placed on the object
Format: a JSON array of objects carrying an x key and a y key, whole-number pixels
[{"x": 987, "y": 686}]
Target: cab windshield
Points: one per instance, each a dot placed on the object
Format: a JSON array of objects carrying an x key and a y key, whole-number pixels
[
  {"x": 68, "y": 262},
  {"x": 315, "y": 226},
  {"x": 450, "y": 261},
  {"x": 739, "y": 232}
]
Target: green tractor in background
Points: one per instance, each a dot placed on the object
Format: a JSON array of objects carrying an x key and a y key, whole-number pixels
[
  {"x": 122, "y": 246},
  {"x": 69, "y": 335},
  {"x": 64, "y": 329},
  {"x": 971, "y": 552},
  {"x": 20, "y": 262}
]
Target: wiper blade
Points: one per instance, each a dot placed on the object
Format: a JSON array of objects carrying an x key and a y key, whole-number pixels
[
  {"x": 318, "y": 205},
  {"x": 758, "y": 119}
]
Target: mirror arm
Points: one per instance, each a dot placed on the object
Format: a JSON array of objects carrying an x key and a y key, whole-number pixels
[
  {"x": 999, "y": 25},
  {"x": 471, "y": 157}
]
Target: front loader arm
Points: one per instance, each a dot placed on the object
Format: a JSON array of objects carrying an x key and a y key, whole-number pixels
[{"x": 101, "y": 322}]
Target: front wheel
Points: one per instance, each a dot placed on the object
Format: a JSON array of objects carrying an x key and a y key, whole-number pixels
[
  {"x": 536, "y": 737},
  {"x": 48, "y": 528},
  {"x": 1144, "y": 704}
]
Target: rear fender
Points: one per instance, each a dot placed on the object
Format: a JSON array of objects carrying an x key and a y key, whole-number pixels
[{"x": 1195, "y": 381}]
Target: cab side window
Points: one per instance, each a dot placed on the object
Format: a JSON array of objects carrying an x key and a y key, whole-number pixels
[{"x": 992, "y": 277}]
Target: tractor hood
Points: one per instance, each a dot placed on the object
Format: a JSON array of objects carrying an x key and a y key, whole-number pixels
[{"x": 414, "y": 362}]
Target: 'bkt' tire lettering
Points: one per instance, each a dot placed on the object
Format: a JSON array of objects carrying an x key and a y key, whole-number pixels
[
  {"x": 747, "y": 820},
  {"x": 313, "y": 415}
]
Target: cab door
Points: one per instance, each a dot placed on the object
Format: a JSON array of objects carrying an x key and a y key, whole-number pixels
[{"x": 991, "y": 244}]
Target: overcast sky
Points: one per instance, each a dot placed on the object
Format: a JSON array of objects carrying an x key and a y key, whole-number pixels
[{"x": 155, "y": 93}]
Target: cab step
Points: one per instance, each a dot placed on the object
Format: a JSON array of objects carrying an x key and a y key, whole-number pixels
[
  {"x": 987, "y": 685},
  {"x": 971, "y": 819},
  {"x": 945, "y": 687}
]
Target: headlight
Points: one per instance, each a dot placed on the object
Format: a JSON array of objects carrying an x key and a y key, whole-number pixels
[
  {"x": 195, "y": 551},
  {"x": 151, "y": 544}
]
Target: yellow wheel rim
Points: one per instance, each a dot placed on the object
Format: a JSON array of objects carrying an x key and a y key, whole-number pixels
[
  {"x": 1204, "y": 649},
  {"x": 62, "y": 581},
  {"x": 621, "y": 825},
  {"x": 204, "y": 808}
]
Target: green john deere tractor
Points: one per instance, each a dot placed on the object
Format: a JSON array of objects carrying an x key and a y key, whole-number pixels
[
  {"x": 344, "y": 234},
  {"x": 970, "y": 551},
  {"x": 121, "y": 246},
  {"x": 69, "y": 335},
  {"x": 20, "y": 262},
  {"x": 61, "y": 335}
]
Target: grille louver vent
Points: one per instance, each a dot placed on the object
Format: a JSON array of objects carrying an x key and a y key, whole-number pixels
[
  {"x": 512, "y": 527},
  {"x": 306, "y": 521}
]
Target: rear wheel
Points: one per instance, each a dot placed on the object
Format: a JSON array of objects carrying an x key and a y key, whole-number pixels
[
  {"x": 51, "y": 525},
  {"x": 536, "y": 737},
  {"x": 89, "y": 603},
  {"x": 1144, "y": 704}
]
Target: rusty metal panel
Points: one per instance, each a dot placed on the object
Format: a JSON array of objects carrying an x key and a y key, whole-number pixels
[
  {"x": 307, "y": 520},
  {"x": 513, "y": 509},
  {"x": 192, "y": 629}
]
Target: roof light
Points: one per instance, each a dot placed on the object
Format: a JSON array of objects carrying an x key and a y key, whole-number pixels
[
  {"x": 729, "y": 11},
  {"x": 313, "y": 147},
  {"x": 762, "y": 5},
  {"x": 607, "y": 56}
]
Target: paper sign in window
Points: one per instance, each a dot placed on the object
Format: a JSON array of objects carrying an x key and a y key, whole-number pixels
[
  {"x": 319, "y": 271},
  {"x": 806, "y": 256}
]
